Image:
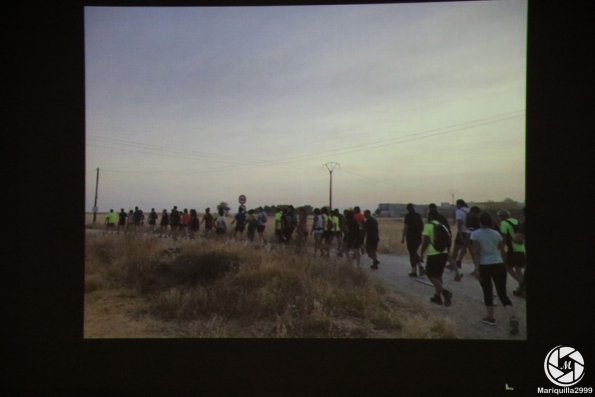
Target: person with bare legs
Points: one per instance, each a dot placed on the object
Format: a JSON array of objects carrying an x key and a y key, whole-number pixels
[{"x": 436, "y": 240}]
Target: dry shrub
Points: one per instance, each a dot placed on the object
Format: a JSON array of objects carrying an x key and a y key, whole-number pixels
[
  {"x": 180, "y": 303},
  {"x": 225, "y": 288},
  {"x": 422, "y": 327}
]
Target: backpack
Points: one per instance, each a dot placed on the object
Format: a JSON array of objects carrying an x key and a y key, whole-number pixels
[
  {"x": 515, "y": 236},
  {"x": 442, "y": 238},
  {"x": 329, "y": 223}
]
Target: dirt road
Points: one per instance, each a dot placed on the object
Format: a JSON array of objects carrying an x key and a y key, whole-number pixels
[{"x": 467, "y": 307}]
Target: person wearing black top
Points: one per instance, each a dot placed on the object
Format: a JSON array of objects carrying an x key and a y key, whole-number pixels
[
  {"x": 372, "y": 238},
  {"x": 442, "y": 219},
  {"x": 412, "y": 233}
]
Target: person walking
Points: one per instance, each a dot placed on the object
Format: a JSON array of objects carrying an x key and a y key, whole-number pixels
[
  {"x": 137, "y": 219},
  {"x": 262, "y": 224},
  {"x": 436, "y": 240},
  {"x": 209, "y": 221},
  {"x": 174, "y": 222},
  {"x": 220, "y": 224},
  {"x": 360, "y": 219},
  {"x": 488, "y": 247},
  {"x": 152, "y": 220},
  {"x": 239, "y": 221},
  {"x": 520, "y": 237},
  {"x": 302, "y": 228},
  {"x": 288, "y": 223},
  {"x": 353, "y": 238},
  {"x": 164, "y": 224},
  {"x": 372, "y": 238},
  {"x": 193, "y": 224},
  {"x": 327, "y": 227},
  {"x": 442, "y": 219},
  {"x": 412, "y": 233},
  {"x": 121, "y": 220},
  {"x": 110, "y": 221},
  {"x": 462, "y": 237},
  {"x": 318, "y": 232},
  {"x": 130, "y": 221},
  {"x": 338, "y": 221},
  {"x": 252, "y": 223},
  {"x": 515, "y": 251},
  {"x": 185, "y": 223}
]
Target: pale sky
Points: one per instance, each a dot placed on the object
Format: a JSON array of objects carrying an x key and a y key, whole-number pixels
[{"x": 191, "y": 106}]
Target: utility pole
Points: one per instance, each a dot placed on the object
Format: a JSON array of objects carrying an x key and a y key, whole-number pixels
[
  {"x": 95, "y": 205},
  {"x": 454, "y": 210},
  {"x": 331, "y": 167}
]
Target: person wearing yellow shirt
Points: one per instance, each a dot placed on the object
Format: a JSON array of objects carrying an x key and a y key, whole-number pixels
[
  {"x": 515, "y": 251},
  {"x": 437, "y": 258},
  {"x": 110, "y": 220}
]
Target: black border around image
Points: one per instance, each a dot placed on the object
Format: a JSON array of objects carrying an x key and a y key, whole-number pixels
[{"x": 46, "y": 352}]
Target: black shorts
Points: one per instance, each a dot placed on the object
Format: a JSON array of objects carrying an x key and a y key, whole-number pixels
[
  {"x": 260, "y": 228},
  {"x": 435, "y": 265},
  {"x": 516, "y": 259},
  {"x": 371, "y": 245},
  {"x": 462, "y": 239}
]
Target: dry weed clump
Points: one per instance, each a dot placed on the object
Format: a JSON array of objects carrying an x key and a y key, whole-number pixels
[
  {"x": 214, "y": 288},
  {"x": 421, "y": 327}
]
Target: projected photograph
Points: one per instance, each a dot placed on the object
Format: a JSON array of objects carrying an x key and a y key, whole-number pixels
[{"x": 320, "y": 171}]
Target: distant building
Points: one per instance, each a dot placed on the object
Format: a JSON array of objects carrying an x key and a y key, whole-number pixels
[{"x": 391, "y": 210}]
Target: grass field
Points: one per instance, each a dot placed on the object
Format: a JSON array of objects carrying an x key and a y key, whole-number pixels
[{"x": 209, "y": 287}]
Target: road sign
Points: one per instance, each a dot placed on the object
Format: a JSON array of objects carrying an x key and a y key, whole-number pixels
[{"x": 242, "y": 199}]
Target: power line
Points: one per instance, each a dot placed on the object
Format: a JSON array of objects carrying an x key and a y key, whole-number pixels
[
  {"x": 397, "y": 140},
  {"x": 193, "y": 155}
]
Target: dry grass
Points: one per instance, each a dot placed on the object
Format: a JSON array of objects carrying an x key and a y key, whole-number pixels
[{"x": 227, "y": 288}]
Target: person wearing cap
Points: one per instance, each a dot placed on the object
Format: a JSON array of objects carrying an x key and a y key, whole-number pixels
[
  {"x": 488, "y": 256},
  {"x": 515, "y": 251}
]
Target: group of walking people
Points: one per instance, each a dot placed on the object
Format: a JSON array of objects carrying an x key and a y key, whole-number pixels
[
  {"x": 186, "y": 223},
  {"x": 496, "y": 246},
  {"x": 496, "y": 249}
]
